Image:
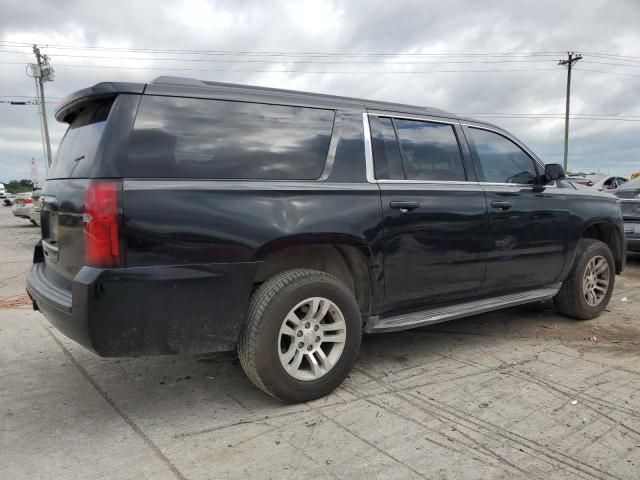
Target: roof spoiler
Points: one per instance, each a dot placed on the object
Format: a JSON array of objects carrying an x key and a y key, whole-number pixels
[{"x": 66, "y": 109}]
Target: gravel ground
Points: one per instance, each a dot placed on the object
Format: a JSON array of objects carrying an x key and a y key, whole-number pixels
[
  {"x": 17, "y": 236},
  {"x": 521, "y": 393}
]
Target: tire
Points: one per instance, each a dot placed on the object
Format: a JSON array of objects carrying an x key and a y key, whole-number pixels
[
  {"x": 571, "y": 299},
  {"x": 261, "y": 342}
]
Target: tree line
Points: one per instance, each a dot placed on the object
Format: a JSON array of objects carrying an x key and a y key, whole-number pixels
[{"x": 19, "y": 186}]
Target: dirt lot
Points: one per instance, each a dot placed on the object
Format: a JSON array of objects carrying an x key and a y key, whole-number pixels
[{"x": 522, "y": 393}]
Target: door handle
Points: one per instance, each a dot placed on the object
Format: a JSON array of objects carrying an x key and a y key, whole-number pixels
[
  {"x": 502, "y": 205},
  {"x": 404, "y": 206}
]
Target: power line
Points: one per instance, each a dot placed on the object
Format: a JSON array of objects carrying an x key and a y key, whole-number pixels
[
  {"x": 27, "y": 96},
  {"x": 610, "y": 63},
  {"x": 608, "y": 73},
  {"x": 286, "y": 53},
  {"x": 552, "y": 114},
  {"x": 595, "y": 54},
  {"x": 127, "y": 67},
  {"x": 539, "y": 117},
  {"x": 347, "y": 62},
  {"x": 305, "y": 53},
  {"x": 616, "y": 59}
]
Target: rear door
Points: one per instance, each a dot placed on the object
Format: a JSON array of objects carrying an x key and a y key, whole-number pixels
[
  {"x": 434, "y": 212},
  {"x": 529, "y": 222},
  {"x": 63, "y": 193}
]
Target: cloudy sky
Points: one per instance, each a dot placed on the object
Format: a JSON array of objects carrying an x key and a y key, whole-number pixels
[{"x": 470, "y": 57}]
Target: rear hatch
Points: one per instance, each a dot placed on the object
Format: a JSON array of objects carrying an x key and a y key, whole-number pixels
[{"x": 64, "y": 193}]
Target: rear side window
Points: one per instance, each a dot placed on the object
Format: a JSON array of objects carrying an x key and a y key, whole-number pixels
[
  {"x": 430, "y": 150},
  {"x": 79, "y": 145},
  {"x": 501, "y": 160},
  {"x": 197, "y": 138}
]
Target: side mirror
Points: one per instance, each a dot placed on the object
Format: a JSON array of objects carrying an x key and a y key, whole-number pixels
[{"x": 553, "y": 171}]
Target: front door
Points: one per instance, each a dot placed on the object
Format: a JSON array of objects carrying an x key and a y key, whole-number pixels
[
  {"x": 528, "y": 221},
  {"x": 435, "y": 218}
]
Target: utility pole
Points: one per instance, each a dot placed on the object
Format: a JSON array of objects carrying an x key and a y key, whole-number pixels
[
  {"x": 572, "y": 58},
  {"x": 42, "y": 71}
]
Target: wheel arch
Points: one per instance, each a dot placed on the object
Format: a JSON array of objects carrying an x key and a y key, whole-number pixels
[
  {"x": 347, "y": 258},
  {"x": 610, "y": 234}
]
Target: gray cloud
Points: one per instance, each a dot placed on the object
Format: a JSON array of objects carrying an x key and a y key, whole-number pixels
[{"x": 404, "y": 26}]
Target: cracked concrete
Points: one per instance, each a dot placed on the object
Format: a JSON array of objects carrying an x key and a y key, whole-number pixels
[{"x": 521, "y": 393}]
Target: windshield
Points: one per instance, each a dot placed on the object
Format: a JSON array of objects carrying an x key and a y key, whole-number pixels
[
  {"x": 630, "y": 185},
  {"x": 80, "y": 144}
]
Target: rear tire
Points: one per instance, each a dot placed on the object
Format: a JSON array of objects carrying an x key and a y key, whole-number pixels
[
  {"x": 302, "y": 335},
  {"x": 589, "y": 286}
]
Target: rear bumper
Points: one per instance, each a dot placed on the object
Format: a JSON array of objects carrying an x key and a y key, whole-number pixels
[
  {"x": 148, "y": 310},
  {"x": 22, "y": 212}
]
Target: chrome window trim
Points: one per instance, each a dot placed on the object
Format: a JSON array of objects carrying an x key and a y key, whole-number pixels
[
  {"x": 503, "y": 184},
  {"x": 333, "y": 146},
  {"x": 431, "y": 182},
  {"x": 416, "y": 117},
  {"x": 368, "y": 150}
]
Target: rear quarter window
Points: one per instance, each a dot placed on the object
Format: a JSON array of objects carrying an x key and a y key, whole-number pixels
[
  {"x": 197, "y": 138},
  {"x": 79, "y": 146}
]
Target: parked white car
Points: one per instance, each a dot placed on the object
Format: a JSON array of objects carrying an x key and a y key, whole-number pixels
[
  {"x": 609, "y": 183},
  {"x": 22, "y": 206},
  {"x": 36, "y": 201}
]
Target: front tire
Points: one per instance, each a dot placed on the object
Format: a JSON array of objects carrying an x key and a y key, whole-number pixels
[
  {"x": 302, "y": 335},
  {"x": 589, "y": 286}
]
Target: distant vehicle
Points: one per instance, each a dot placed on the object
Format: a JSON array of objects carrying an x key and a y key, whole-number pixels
[
  {"x": 634, "y": 175},
  {"x": 599, "y": 182},
  {"x": 629, "y": 195},
  {"x": 583, "y": 180},
  {"x": 8, "y": 199},
  {"x": 609, "y": 183},
  {"x": 22, "y": 206},
  {"x": 37, "y": 204},
  {"x": 3, "y": 190}
]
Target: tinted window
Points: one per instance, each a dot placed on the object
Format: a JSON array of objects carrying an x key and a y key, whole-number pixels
[
  {"x": 196, "y": 138},
  {"x": 631, "y": 184},
  {"x": 386, "y": 153},
  {"x": 78, "y": 148},
  {"x": 501, "y": 160},
  {"x": 430, "y": 150}
]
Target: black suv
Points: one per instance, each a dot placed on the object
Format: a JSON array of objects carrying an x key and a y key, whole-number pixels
[{"x": 190, "y": 216}]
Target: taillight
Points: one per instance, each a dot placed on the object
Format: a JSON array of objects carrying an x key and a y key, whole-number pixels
[
  {"x": 100, "y": 219},
  {"x": 27, "y": 200}
]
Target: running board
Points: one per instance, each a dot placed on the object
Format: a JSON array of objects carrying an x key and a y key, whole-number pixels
[{"x": 451, "y": 312}]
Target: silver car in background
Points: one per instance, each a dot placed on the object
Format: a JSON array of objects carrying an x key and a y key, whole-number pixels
[{"x": 22, "y": 206}]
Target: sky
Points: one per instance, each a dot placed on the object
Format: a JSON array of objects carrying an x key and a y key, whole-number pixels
[{"x": 492, "y": 60}]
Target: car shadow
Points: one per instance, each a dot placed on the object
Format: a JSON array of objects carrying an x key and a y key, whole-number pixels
[{"x": 26, "y": 225}]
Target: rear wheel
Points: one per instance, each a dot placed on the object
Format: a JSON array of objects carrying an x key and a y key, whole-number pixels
[
  {"x": 587, "y": 290},
  {"x": 302, "y": 335}
]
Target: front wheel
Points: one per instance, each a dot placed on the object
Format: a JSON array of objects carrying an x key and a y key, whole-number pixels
[
  {"x": 588, "y": 288},
  {"x": 302, "y": 335}
]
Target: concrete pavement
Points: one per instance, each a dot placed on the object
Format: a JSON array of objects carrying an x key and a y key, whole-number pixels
[{"x": 522, "y": 393}]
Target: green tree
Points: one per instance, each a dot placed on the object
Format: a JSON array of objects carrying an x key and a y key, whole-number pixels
[{"x": 19, "y": 186}]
